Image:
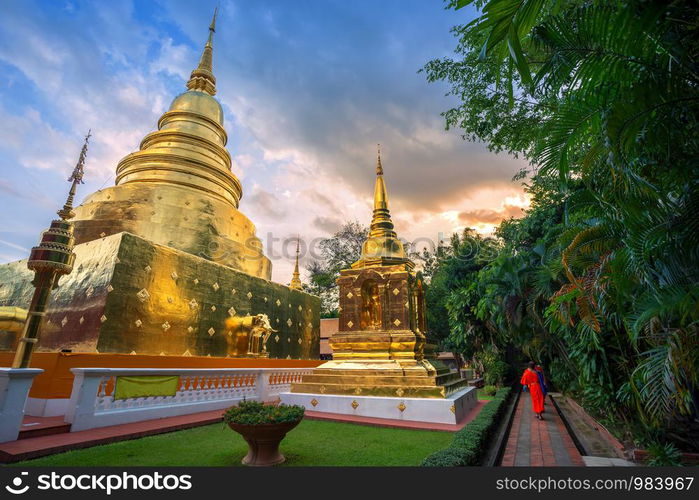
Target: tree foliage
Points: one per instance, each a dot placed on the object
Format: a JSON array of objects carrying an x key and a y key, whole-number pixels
[
  {"x": 338, "y": 252},
  {"x": 600, "y": 279}
]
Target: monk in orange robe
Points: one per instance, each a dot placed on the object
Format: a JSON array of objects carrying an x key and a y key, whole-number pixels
[{"x": 531, "y": 380}]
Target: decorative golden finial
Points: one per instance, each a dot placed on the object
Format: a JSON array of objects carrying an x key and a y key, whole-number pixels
[
  {"x": 202, "y": 78},
  {"x": 380, "y": 193},
  {"x": 212, "y": 26},
  {"x": 382, "y": 246},
  {"x": 296, "y": 278},
  {"x": 77, "y": 178}
]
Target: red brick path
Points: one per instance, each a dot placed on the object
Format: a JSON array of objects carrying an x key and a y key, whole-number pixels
[{"x": 537, "y": 443}]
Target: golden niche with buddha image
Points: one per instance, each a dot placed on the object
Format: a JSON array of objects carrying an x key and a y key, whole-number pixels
[{"x": 371, "y": 318}]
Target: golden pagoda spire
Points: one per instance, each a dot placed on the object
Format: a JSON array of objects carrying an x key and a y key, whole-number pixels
[
  {"x": 202, "y": 78},
  {"x": 381, "y": 224},
  {"x": 296, "y": 278},
  {"x": 183, "y": 162},
  {"x": 77, "y": 178},
  {"x": 382, "y": 247}
]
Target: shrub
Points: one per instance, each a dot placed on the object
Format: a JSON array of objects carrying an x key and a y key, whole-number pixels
[
  {"x": 469, "y": 440},
  {"x": 254, "y": 413},
  {"x": 490, "y": 390},
  {"x": 467, "y": 446},
  {"x": 660, "y": 455},
  {"x": 449, "y": 457},
  {"x": 496, "y": 372}
]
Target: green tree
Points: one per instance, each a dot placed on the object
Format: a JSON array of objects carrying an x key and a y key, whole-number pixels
[
  {"x": 338, "y": 252},
  {"x": 429, "y": 263},
  {"x": 601, "y": 277}
]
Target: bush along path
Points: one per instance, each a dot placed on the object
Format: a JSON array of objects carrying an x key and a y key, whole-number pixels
[
  {"x": 469, "y": 444},
  {"x": 539, "y": 443}
]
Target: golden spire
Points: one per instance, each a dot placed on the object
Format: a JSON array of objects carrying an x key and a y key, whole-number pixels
[
  {"x": 381, "y": 224},
  {"x": 77, "y": 178},
  {"x": 296, "y": 279},
  {"x": 382, "y": 247},
  {"x": 202, "y": 78}
]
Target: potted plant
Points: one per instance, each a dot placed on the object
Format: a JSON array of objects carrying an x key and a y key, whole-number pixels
[{"x": 263, "y": 427}]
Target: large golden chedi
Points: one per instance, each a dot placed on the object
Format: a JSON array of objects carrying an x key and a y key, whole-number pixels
[
  {"x": 178, "y": 189},
  {"x": 165, "y": 263},
  {"x": 381, "y": 347}
]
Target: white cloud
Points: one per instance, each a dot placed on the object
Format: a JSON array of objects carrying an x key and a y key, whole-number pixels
[{"x": 303, "y": 117}]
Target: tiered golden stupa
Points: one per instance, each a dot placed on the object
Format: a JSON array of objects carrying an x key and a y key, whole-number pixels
[
  {"x": 178, "y": 190},
  {"x": 166, "y": 265},
  {"x": 380, "y": 348}
]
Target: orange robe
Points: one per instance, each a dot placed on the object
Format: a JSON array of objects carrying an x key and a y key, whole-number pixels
[{"x": 531, "y": 380}]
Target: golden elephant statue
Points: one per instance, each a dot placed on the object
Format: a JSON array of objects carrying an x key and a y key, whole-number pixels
[{"x": 248, "y": 335}]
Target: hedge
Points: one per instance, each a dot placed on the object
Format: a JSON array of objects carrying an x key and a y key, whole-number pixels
[{"x": 469, "y": 443}]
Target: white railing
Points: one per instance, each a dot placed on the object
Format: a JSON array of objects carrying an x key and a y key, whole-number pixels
[
  {"x": 14, "y": 388},
  {"x": 92, "y": 402}
]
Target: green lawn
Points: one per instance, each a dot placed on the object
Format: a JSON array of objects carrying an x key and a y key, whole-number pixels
[
  {"x": 311, "y": 443},
  {"x": 483, "y": 396}
]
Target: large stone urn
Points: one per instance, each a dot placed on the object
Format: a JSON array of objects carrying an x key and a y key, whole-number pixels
[{"x": 263, "y": 442}]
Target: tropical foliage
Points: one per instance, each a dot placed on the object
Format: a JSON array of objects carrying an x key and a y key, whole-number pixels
[
  {"x": 600, "y": 279},
  {"x": 338, "y": 252}
]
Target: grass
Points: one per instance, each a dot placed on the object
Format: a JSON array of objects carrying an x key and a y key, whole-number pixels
[
  {"x": 311, "y": 443},
  {"x": 482, "y": 396}
]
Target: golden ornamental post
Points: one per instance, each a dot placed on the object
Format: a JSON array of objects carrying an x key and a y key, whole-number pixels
[{"x": 50, "y": 260}]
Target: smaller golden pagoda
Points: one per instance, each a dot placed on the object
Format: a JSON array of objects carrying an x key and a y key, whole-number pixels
[
  {"x": 381, "y": 348},
  {"x": 295, "y": 283}
]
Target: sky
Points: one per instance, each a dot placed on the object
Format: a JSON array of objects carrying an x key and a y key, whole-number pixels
[{"x": 308, "y": 89}]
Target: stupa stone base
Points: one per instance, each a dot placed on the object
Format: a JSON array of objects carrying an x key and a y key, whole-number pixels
[
  {"x": 127, "y": 295},
  {"x": 449, "y": 410}
]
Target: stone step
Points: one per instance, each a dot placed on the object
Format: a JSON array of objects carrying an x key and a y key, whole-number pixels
[
  {"x": 42, "y": 426},
  {"x": 361, "y": 379},
  {"x": 370, "y": 390}
]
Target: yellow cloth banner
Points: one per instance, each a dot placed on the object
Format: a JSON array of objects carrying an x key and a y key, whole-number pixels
[{"x": 142, "y": 387}]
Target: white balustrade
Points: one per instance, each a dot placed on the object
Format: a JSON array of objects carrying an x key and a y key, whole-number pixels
[
  {"x": 14, "y": 389},
  {"x": 92, "y": 402}
]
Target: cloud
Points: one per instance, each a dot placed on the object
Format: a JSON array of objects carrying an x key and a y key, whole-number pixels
[
  {"x": 307, "y": 94},
  {"x": 174, "y": 59},
  {"x": 472, "y": 217},
  {"x": 327, "y": 224},
  {"x": 6, "y": 188},
  {"x": 12, "y": 245},
  {"x": 266, "y": 203}
]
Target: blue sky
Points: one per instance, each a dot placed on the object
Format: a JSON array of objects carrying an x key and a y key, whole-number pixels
[{"x": 308, "y": 89}]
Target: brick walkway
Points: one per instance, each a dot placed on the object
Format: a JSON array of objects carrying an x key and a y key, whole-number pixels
[{"x": 533, "y": 442}]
